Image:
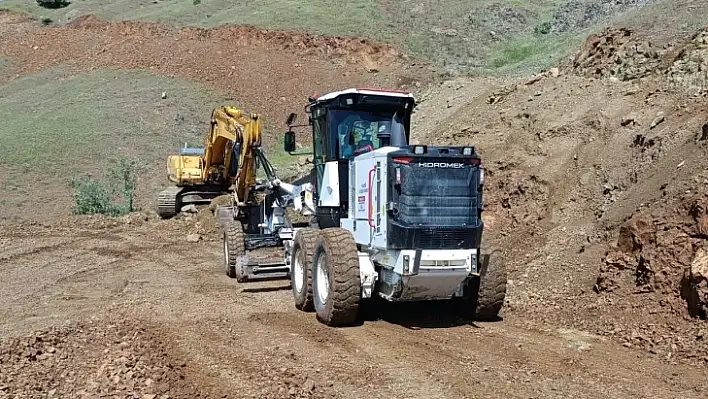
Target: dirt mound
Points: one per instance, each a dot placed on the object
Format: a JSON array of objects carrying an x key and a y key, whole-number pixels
[
  {"x": 662, "y": 254},
  {"x": 95, "y": 358},
  {"x": 689, "y": 71},
  {"x": 579, "y": 158},
  {"x": 621, "y": 54},
  {"x": 616, "y": 53},
  {"x": 302, "y": 43}
]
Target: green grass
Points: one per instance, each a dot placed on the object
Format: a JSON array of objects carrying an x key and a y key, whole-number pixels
[
  {"x": 330, "y": 17},
  {"x": 527, "y": 54},
  {"x": 61, "y": 125},
  {"x": 53, "y": 121},
  {"x": 57, "y": 127}
]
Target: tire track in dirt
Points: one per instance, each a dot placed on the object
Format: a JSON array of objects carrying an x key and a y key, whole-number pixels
[
  {"x": 254, "y": 343},
  {"x": 531, "y": 363}
]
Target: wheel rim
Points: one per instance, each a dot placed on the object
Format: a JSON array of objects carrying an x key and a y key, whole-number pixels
[
  {"x": 322, "y": 279},
  {"x": 298, "y": 272}
]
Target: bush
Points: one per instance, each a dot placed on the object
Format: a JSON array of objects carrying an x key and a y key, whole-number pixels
[
  {"x": 53, "y": 4},
  {"x": 543, "y": 28},
  {"x": 92, "y": 196}
]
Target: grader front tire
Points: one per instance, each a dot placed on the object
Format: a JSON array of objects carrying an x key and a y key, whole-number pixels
[
  {"x": 337, "y": 282},
  {"x": 234, "y": 251}
]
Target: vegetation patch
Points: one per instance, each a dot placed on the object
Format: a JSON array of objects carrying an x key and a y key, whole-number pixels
[
  {"x": 59, "y": 127},
  {"x": 527, "y": 54},
  {"x": 114, "y": 196},
  {"x": 53, "y": 4}
]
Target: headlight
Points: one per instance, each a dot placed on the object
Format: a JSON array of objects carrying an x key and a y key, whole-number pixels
[
  {"x": 467, "y": 151},
  {"x": 481, "y": 176}
]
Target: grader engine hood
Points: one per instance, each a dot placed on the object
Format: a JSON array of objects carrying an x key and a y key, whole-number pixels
[
  {"x": 429, "y": 199},
  {"x": 435, "y": 198}
]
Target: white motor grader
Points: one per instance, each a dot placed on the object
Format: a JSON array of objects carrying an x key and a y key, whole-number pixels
[{"x": 382, "y": 217}]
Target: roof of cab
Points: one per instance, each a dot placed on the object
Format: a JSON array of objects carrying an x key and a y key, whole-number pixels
[{"x": 380, "y": 92}]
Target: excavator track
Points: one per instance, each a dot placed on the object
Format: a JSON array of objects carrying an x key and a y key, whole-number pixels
[{"x": 168, "y": 204}]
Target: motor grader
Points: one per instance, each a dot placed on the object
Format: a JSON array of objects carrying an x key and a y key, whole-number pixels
[
  {"x": 225, "y": 165},
  {"x": 382, "y": 218}
]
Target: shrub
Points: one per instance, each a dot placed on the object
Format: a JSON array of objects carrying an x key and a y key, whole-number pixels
[
  {"x": 92, "y": 196},
  {"x": 543, "y": 28},
  {"x": 53, "y": 4}
]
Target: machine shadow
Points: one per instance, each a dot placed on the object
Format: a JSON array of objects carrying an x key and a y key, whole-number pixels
[
  {"x": 415, "y": 315},
  {"x": 271, "y": 288}
]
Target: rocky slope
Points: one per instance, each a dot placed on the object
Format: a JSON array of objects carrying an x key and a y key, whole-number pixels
[{"x": 597, "y": 184}]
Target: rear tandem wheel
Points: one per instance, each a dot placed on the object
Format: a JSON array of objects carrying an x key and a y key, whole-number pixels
[
  {"x": 301, "y": 262},
  {"x": 484, "y": 295}
]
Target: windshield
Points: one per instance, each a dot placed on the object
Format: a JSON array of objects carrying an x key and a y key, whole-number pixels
[{"x": 362, "y": 131}]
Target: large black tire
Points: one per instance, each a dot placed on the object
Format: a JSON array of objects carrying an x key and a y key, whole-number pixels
[
  {"x": 484, "y": 296},
  {"x": 235, "y": 251},
  {"x": 336, "y": 274},
  {"x": 301, "y": 258},
  {"x": 492, "y": 289}
]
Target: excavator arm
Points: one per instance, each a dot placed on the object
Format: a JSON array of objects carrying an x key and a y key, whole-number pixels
[{"x": 229, "y": 149}]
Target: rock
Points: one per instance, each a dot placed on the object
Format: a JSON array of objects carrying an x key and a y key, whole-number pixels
[
  {"x": 657, "y": 120},
  {"x": 695, "y": 285},
  {"x": 703, "y": 226},
  {"x": 627, "y": 120},
  {"x": 309, "y": 386},
  {"x": 533, "y": 80},
  {"x": 164, "y": 95},
  {"x": 555, "y": 72},
  {"x": 191, "y": 208},
  {"x": 193, "y": 238}
]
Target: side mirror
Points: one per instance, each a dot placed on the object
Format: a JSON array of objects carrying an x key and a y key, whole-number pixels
[
  {"x": 291, "y": 119},
  {"x": 289, "y": 141}
]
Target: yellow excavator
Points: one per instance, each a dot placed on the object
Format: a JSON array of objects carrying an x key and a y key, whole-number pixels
[{"x": 226, "y": 164}]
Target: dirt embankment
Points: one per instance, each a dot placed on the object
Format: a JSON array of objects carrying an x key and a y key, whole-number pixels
[
  {"x": 243, "y": 61},
  {"x": 611, "y": 145}
]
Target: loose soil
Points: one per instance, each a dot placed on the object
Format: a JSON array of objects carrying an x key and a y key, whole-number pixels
[
  {"x": 596, "y": 195},
  {"x": 99, "y": 306}
]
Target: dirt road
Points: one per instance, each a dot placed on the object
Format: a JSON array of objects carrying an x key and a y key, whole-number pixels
[{"x": 144, "y": 311}]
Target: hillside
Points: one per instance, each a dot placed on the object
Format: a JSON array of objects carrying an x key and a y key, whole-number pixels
[
  {"x": 490, "y": 36},
  {"x": 591, "y": 117},
  {"x": 598, "y": 181}
]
